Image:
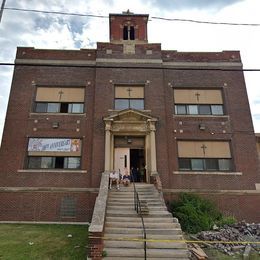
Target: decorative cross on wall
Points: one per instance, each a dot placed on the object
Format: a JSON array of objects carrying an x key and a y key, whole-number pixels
[
  {"x": 60, "y": 93},
  {"x": 129, "y": 91},
  {"x": 129, "y": 95},
  {"x": 204, "y": 147},
  {"x": 197, "y": 94}
]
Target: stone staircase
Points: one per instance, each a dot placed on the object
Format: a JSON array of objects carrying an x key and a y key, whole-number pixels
[{"x": 122, "y": 223}]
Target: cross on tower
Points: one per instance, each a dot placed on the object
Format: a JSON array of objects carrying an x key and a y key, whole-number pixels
[
  {"x": 204, "y": 147},
  {"x": 60, "y": 93},
  {"x": 197, "y": 94}
]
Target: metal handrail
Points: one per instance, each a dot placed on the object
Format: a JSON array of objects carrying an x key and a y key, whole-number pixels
[{"x": 139, "y": 210}]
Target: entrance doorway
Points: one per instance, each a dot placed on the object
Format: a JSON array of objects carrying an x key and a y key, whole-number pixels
[
  {"x": 137, "y": 163},
  {"x": 129, "y": 152}
]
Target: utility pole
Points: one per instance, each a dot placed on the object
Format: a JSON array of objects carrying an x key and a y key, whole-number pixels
[{"x": 2, "y": 9}]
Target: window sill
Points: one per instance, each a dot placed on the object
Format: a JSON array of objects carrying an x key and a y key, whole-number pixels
[
  {"x": 207, "y": 116},
  {"x": 206, "y": 173},
  {"x": 50, "y": 171},
  {"x": 58, "y": 114}
]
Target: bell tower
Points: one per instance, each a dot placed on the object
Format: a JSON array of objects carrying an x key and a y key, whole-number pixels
[{"x": 128, "y": 28}]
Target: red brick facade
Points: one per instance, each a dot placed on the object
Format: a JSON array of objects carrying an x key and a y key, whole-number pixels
[{"x": 98, "y": 71}]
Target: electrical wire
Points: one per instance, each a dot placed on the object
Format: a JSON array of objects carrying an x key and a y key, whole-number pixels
[
  {"x": 152, "y": 17},
  {"x": 204, "y": 22},
  {"x": 54, "y": 12},
  {"x": 134, "y": 67}
]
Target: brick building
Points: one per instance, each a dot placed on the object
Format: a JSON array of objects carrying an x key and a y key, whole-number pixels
[{"x": 183, "y": 118}]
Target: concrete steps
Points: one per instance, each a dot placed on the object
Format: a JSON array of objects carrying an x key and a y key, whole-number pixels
[
  {"x": 162, "y": 233},
  {"x": 123, "y": 207},
  {"x": 151, "y": 253},
  {"x": 139, "y": 245},
  {"x": 130, "y": 213},
  {"x": 123, "y": 227},
  {"x": 139, "y": 225},
  {"x": 137, "y": 233},
  {"x": 138, "y": 219},
  {"x": 139, "y": 258}
]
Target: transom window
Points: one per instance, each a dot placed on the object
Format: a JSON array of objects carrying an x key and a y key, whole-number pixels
[
  {"x": 59, "y": 100},
  {"x": 129, "y": 97}
]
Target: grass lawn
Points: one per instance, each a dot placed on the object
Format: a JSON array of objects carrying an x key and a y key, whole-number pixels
[{"x": 26, "y": 241}]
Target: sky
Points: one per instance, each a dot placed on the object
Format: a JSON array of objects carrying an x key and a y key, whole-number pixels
[{"x": 50, "y": 31}]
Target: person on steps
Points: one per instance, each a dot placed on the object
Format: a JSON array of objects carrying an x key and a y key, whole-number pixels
[
  {"x": 126, "y": 177},
  {"x": 114, "y": 178}
]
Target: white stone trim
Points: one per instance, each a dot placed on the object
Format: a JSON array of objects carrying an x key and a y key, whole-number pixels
[
  {"x": 46, "y": 222},
  {"x": 207, "y": 116},
  {"x": 50, "y": 171},
  {"x": 220, "y": 192},
  {"x": 46, "y": 189},
  {"x": 107, "y": 60},
  {"x": 185, "y": 64},
  {"x": 55, "y": 62},
  {"x": 207, "y": 173},
  {"x": 57, "y": 114}
]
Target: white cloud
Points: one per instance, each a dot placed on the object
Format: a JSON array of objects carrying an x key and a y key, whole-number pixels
[{"x": 193, "y": 4}]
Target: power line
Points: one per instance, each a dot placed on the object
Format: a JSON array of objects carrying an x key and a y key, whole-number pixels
[
  {"x": 54, "y": 12},
  {"x": 153, "y": 17},
  {"x": 204, "y": 22},
  {"x": 123, "y": 67}
]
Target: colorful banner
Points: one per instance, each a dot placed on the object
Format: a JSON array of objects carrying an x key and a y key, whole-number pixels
[{"x": 53, "y": 145}]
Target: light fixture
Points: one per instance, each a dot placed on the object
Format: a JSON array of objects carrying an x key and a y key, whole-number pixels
[
  {"x": 55, "y": 125},
  {"x": 128, "y": 139},
  {"x": 202, "y": 127}
]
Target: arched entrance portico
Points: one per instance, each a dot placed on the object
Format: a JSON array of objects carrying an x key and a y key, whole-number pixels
[{"x": 135, "y": 125}]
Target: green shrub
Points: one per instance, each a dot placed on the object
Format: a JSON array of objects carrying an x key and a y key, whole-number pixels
[
  {"x": 196, "y": 214},
  {"x": 226, "y": 221}
]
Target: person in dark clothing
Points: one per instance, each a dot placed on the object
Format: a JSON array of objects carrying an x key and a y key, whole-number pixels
[
  {"x": 138, "y": 175},
  {"x": 134, "y": 174}
]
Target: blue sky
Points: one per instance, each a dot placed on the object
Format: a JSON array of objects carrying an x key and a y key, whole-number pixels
[{"x": 50, "y": 31}]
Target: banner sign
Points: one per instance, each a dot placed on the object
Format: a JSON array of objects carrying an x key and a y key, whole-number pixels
[{"x": 53, "y": 145}]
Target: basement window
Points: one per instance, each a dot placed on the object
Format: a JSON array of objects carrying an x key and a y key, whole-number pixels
[{"x": 68, "y": 207}]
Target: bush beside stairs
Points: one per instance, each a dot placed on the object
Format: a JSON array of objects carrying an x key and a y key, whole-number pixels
[{"x": 123, "y": 226}]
